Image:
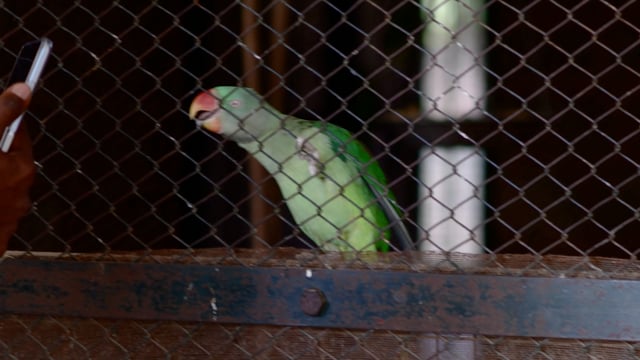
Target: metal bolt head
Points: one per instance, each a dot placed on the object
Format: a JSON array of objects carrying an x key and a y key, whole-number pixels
[{"x": 313, "y": 302}]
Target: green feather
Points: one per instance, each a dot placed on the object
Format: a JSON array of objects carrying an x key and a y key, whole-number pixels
[{"x": 348, "y": 149}]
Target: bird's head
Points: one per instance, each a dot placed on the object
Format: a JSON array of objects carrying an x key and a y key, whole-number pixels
[{"x": 234, "y": 112}]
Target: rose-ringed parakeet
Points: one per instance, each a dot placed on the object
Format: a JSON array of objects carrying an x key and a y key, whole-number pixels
[{"x": 335, "y": 191}]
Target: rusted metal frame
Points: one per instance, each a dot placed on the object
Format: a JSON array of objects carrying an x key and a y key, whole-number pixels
[{"x": 357, "y": 299}]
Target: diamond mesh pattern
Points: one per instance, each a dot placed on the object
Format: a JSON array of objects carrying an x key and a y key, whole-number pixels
[{"x": 121, "y": 167}]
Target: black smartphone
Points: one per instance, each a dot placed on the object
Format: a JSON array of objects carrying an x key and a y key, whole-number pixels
[{"x": 28, "y": 68}]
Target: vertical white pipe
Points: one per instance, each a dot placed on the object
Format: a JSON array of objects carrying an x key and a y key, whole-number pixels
[
  {"x": 454, "y": 82},
  {"x": 451, "y": 213},
  {"x": 454, "y": 85}
]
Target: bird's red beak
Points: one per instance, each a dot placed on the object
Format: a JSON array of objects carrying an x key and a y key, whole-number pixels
[{"x": 204, "y": 110}]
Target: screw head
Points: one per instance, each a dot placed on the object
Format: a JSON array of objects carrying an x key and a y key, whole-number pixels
[{"x": 313, "y": 302}]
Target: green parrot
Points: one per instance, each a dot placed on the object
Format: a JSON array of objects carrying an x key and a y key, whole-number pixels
[{"x": 335, "y": 191}]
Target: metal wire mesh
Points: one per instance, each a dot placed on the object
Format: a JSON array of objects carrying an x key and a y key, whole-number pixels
[
  {"x": 121, "y": 167},
  {"x": 100, "y": 338}
]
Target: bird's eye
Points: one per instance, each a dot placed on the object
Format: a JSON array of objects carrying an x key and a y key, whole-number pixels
[{"x": 234, "y": 103}]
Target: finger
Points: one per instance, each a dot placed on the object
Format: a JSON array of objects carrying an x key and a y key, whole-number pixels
[
  {"x": 13, "y": 102},
  {"x": 22, "y": 176},
  {"x": 15, "y": 198},
  {"x": 17, "y": 168},
  {"x": 15, "y": 206},
  {"x": 22, "y": 142}
]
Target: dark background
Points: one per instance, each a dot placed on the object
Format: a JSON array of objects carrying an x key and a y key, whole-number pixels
[{"x": 122, "y": 168}]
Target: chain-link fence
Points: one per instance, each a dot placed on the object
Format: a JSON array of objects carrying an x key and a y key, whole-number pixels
[{"x": 502, "y": 127}]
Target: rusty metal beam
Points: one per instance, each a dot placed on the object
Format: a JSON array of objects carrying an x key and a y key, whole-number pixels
[{"x": 357, "y": 299}]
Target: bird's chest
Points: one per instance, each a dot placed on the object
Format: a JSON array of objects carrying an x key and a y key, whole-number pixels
[
  {"x": 303, "y": 181},
  {"x": 317, "y": 191},
  {"x": 317, "y": 202},
  {"x": 316, "y": 184},
  {"x": 305, "y": 172}
]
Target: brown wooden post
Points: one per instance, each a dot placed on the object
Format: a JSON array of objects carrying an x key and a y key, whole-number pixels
[{"x": 268, "y": 229}]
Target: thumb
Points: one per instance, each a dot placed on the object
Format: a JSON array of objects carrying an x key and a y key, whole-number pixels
[{"x": 13, "y": 102}]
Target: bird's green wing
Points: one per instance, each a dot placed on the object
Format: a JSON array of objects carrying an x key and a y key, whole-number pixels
[{"x": 349, "y": 149}]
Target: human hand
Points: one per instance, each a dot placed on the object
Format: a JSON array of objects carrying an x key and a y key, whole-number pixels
[{"x": 16, "y": 166}]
